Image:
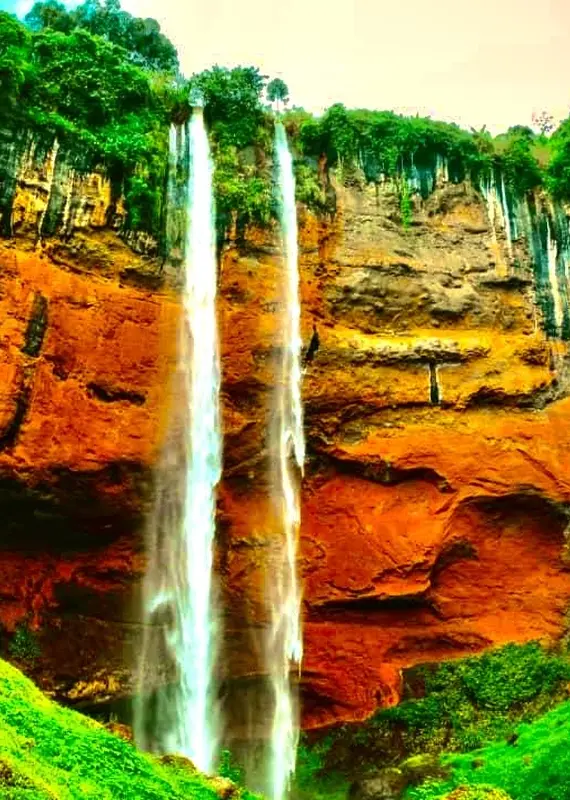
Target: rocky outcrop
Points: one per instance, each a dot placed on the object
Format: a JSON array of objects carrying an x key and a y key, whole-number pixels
[{"x": 435, "y": 499}]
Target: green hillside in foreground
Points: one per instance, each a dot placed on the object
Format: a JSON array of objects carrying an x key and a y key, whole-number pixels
[
  {"x": 48, "y": 752},
  {"x": 534, "y": 765}
]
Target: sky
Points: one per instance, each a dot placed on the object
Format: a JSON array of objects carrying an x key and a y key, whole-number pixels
[{"x": 489, "y": 62}]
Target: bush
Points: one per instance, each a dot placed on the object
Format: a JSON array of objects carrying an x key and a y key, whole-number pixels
[
  {"x": 464, "y": 704},
  {"x": 24, "y": 646},
  {"x": 535, "y": 766}
]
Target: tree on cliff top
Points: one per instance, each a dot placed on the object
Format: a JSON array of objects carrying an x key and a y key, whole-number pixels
[
  {"x": 86, "y": 80},
  {"x": 277, "y": 92},
  {"x": 232, "y": 99},
  {"x": 16, "y": 69},
  {"x": 143, "y": 40}
]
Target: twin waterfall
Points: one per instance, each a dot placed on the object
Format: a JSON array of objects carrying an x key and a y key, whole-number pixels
[{"x": 177, "y": 708}]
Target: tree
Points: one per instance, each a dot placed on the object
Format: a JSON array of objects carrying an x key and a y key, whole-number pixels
[
  {"x": 232, "y": 101},
  {"x": 522, "y": 132},
  {"x": 544, "y": 122},
  {"x": 146, "y": 45},
  {"x": 16, "y": 69},
  {"x": 50, "y": 14},
  {"x": 87, "y": 80},
  {"x": 277, "y": 92}
]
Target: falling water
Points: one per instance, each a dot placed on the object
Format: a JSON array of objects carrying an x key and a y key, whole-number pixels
[
  {"x": 179, "y": 649},
  {"x": 288, "y": 447},
  {"x": 552, "y": 255},
  {"x": 506, "y": 216}
]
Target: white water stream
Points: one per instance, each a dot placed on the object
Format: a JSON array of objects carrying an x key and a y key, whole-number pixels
[
  {"x": 288, "y": 447},
  {"x": 181, "y": 618}
]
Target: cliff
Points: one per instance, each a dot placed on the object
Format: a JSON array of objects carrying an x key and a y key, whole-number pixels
[{"x": 435, "y": 496}]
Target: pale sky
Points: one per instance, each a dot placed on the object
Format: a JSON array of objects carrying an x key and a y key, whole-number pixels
[{"x": 471, "y": 61}]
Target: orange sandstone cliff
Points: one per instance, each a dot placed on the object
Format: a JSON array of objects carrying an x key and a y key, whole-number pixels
[{"x": 436, "y": 491}]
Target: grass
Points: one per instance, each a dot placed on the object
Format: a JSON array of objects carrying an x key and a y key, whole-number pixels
[
  {"x": 534, "y": 767},
  {"x": 51, "y": 753}
]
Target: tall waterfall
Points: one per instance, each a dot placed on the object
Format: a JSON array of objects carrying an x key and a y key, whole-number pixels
[
  {"x": 177, "y": 710},
  {"x": 288, "y": 453}
]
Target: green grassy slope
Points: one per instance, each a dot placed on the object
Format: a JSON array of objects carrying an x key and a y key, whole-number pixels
[
  {"x": 534, "y": 766},
  {"x": 47, "y": 751}
]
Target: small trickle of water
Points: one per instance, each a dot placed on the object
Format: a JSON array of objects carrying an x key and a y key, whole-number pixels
[
  {"x": 506, "y": 216},
  {"x": 177, "y": 711},
  {"x": 288, "y": 445}
]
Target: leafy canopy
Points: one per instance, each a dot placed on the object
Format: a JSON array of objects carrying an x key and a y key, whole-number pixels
[
  {"x": 143, "y": 40},
  {"x": 16, "y": 69},
  {"x": 277, "y": 91}
]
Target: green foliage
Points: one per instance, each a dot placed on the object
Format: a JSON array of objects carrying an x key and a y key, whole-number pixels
[
  {"x": 232, "y": 99},
  {"x": 314, "y": 779},
  {"x": 47, "y": 751},
  {"x": 503, "y": 679},
  {"x": 477, "y": 793},
  {"x": 464, "y": 704},
  {"x": 308, "y": 188},
  {"x": 108, "y": 113},
  {"x": 228, "y": 768},
  {"x": 87, "y": 80},
  {"x": 16, "y": 68},
  {"x": 405, "y": 204},
  {"x": 559, "y": 167},
  {"x": 243, "y": 194},
  {"x": 277, "y": 91},
  {"x": 534, "y": 767},
  {"x": 50, "y": 14},
  {"x": 24, "y": 646},
  {"x": 518, "y": 162},
  {"x": 384, "y": 143},
  {"x": 471, "y": 701},
  {"x": 241, "y": 136},
  {"x": 146, "y": 46}
]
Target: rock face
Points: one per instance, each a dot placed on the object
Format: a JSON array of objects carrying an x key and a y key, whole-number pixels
[{"x": 435, "y": 499}]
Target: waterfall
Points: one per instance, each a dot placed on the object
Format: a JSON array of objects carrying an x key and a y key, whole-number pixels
[
  {"x": 506, "y": 216},
  {"x": 288, "y": 455},
  {"x": 176, "y": 711},
  {"x": 552, "y": 257}
]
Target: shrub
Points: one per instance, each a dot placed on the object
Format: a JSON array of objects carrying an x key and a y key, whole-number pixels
[{"x": 24, "y": 646}]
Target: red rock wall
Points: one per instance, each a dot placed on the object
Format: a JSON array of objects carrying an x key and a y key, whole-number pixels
[{"x": 430, "y": 530}]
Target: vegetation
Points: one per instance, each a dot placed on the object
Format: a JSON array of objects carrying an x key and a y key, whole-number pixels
[
  {"x": 24, "y": 646},
  {"x": 229, "y": 768},
  {"x": 241, "y": 135},
  {"x": 533, "y": 766},
  {"x": 87, "y": 92},
  {"x": 477, "y": 793},
  {"x": 277, "y": 91},
  {"x": 146, "y": 46},
  {"x": 47, "y": 751},
  {"x": 463, "y": 705},
  {"x": 107, "y": 85},
  {"x": 382, "y": 143},
  {"x": 559, "y": 167}
]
